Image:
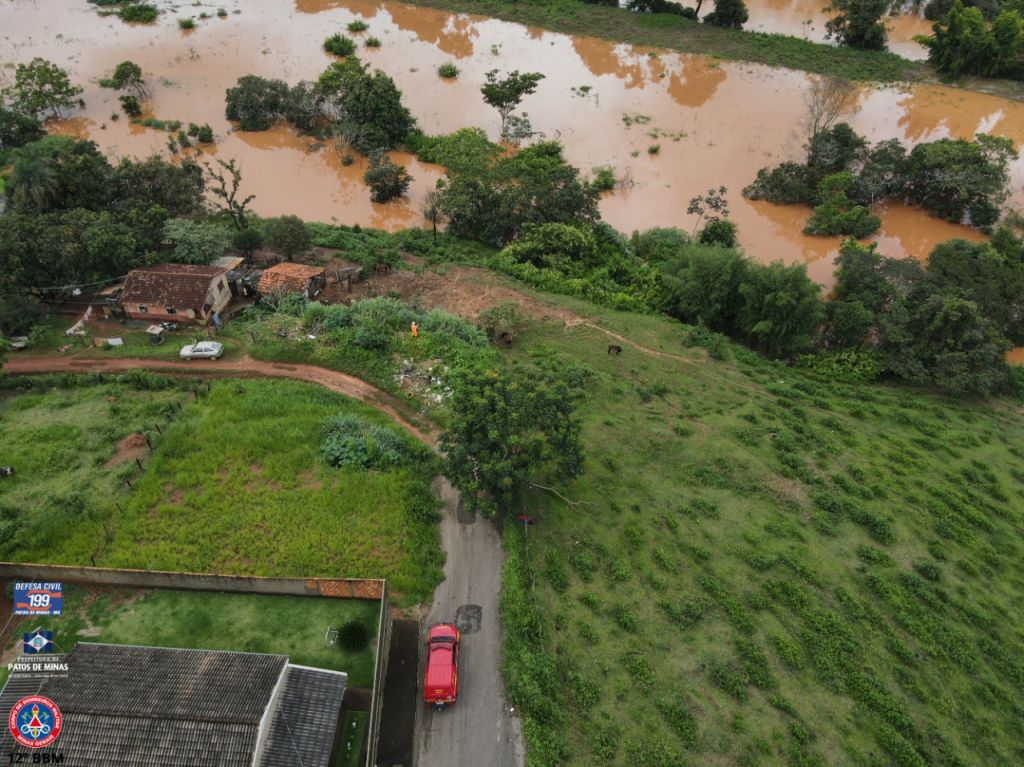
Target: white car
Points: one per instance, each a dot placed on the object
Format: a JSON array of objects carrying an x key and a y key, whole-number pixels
[{"x": 203, "y": 350}]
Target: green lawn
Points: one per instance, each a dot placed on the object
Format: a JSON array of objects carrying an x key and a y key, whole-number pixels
[
  {"x": 235, "y": 484},
  {"x": 292, "y": 626},
  {"x": 767, "y": 568}
]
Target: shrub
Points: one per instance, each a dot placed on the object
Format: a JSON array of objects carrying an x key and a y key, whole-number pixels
[
  {"x": 141, "y": 13},
  {"x": 448, "y": 70},
  {"x": 358, "y": 26},
  {"x": 386, "y": 179},
  {"x": 353, "y": 636},
  {"x": 340, "y": 45},
  {"x": 604, "y": 178},
  {"x": 355, "y": 442},
  {"x": 131, "y": 106},
  {"x": 654, "y": 149},
  {"x": 188, "y": 23},
  {"x": 721, "y": 232},
  {"x": 372, "y": 42}
]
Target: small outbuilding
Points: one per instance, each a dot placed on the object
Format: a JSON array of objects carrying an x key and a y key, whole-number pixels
[
  {"x": 176, "y": 292},
  {"x": 285, "y": 278}
]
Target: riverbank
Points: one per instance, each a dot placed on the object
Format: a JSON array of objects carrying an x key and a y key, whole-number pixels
[{"x": 680, "y": 34}]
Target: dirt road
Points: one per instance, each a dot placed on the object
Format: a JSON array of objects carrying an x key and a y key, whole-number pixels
[
  {"x": 241, "y": 366},
  {"x": 479, "y": 730}
]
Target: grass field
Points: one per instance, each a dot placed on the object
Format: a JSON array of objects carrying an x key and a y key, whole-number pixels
[
  {"x": 768, "y": 569},
  {"x": 235, "y": 484},
  {"x": 59, "y": 442},
  {"x": 292, "y": 626}
]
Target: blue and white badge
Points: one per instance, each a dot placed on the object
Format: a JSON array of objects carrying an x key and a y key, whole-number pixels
[
  {"x": 36, "y": 642},
  {"x": 38, "y": 598}
]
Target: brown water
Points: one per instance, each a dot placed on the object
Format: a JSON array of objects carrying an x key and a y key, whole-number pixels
[
  {"x": 716, "y": 123},
  {"x": 806, "y": 19}
]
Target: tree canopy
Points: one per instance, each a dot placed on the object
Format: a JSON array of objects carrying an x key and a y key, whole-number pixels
[
  {"x": 509, "y": 429},
  {"x": 42, "y": 89}
]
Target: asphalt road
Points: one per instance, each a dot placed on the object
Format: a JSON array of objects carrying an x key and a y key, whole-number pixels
[{"x": 479, "y": 730}]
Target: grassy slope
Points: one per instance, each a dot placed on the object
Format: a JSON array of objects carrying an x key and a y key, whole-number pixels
[
  {"x": 770, "y": 569},
  {"x": 235, "y": 485},
  {"x": 58, "y": 442},
  {"x": 291, "y": 626},
  {"x": 676, "y": 33}
]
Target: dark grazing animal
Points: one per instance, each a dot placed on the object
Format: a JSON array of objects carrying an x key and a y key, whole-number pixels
[{"x": 614, "y": 349}]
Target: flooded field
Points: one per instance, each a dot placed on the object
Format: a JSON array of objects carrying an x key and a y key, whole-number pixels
[
  {"x": 715, "y": 123},
  {"x": 806, "y": 19}
]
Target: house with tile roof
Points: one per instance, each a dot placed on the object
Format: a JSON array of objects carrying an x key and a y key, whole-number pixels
[
  {"x": 176, "y": 292},
  {"x": 286, "y": 277},
  {"x": 159, "y": 707}
]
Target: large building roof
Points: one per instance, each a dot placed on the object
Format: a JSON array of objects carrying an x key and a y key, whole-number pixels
[
  {"x": 158, "y": 707},
  {"x": 182, "y": 286},
  {"x": 288, "y": 278}
]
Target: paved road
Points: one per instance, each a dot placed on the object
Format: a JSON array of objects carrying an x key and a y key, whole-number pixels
[{"x": 479, "y": 730}]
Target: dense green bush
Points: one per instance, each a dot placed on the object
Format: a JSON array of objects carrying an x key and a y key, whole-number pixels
[
  {"x": 141, "y": 13},
  {"x": 339, "y": 45},
  {"x": 386, "y": 178},
  {"x": 353, "y": 636},
  {"x": 352, "y": 441},
  {"x": 448, "y": 70}
]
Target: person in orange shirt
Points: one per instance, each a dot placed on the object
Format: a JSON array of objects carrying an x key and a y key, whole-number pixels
[{"x": 415, "y": 330}]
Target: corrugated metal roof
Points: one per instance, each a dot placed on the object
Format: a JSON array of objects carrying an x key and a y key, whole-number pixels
[
  {"x": 201, "y": 685},
  {"x": 306, "y": 719}
]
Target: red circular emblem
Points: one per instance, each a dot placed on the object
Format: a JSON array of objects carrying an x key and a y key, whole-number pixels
[{"x": 35, "y": 721}]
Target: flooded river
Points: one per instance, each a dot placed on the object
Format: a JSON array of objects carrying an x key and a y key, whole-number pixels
[
  {"x": 715, "y": 123},
  {"x": 806, "y": 19}
]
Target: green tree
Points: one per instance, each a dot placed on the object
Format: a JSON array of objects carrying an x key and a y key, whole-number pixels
[
  {"x": 945, "y": 340},
  {"x": 960, "y": 180},
  {"x": 508, "y": 430},
  {"x": 59, "y": 172},
  {"x": 246, "y": 241},
  {"x": 721, "y": 232},
  {"x": 837, "y": 213},
  {"x": 224, "y": 185},
  {"x": 858, "y": 23},
  {"x": 849, "y": 323},
  {"x": 432, "y": 211},
  {"x": 373, "y": 105},
  {"x": 466, "y": 151},
  {"x": 704, "y": 285},
  {"x": 129, "y": 75},
  {"x": 17, "y": 129},
  {"x": 192, "y": 242},
  {"x": 781, "y": 309},
  {"x": 534, "y": 186},
  {"x": 962, "y": 43},
  {"x": 256, "y": 102},
  {"x": 42, "y": 88},
  {"x": 178, "y": 189},
  {"x": 289, "y": 236},
  {"x": 728, "y": 13},
  {"x": 979, "y": 273},
  {"x": 505, "y": 94},
  {"x": 386, "y": 178}
]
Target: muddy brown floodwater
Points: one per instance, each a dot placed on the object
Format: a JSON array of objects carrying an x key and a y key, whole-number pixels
[
  {"x": 715, "y": 123},
  {"x": 806, "y": 19}
]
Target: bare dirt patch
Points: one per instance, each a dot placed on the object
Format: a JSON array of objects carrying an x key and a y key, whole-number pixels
[
  {"x": 462, "y": 290},
  {"x": 128, "y": 449}
]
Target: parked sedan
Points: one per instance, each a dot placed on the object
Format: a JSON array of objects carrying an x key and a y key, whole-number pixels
[{"x": 202, "y": 350}]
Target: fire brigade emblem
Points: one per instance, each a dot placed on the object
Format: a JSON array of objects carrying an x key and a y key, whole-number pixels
[{"x": 35, "y": 721}]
